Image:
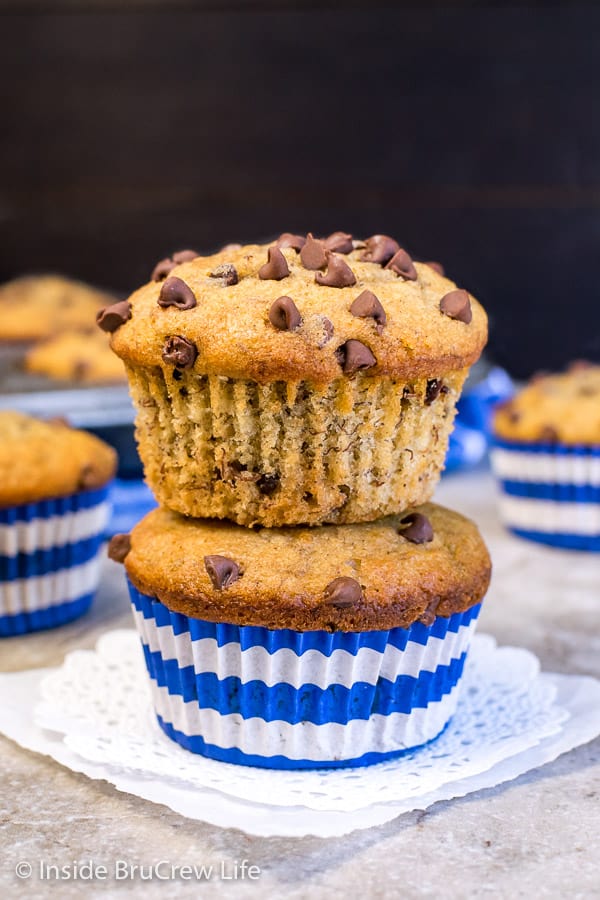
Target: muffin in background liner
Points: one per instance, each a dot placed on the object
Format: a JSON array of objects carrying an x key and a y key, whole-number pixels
[
  {"x": 294, "y": 700},
  {"x": 549, "y": 492},
  {"x": 50, "y": 560}
]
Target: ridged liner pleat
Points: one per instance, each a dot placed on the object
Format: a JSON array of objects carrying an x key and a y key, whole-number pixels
[{"x": 275, "y": 454}]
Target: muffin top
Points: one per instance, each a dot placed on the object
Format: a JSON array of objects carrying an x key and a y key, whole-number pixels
[
  {"x": 41, "y": 460},
  {"x": 379, "y": 575},
  {"x": 561, "y": 408},
  {"x": 36, "y": 306},
  {"x": 300, "y": 309}
]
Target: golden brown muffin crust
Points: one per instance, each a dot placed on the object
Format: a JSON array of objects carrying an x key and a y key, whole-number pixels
[
  {"x": 561, "y": 408},
  {"x": 36, "y": 306},
  {"x": 286, "y": 573},
  {"x": 41, "y": 460},
  {"x": 232, "y": 327}
]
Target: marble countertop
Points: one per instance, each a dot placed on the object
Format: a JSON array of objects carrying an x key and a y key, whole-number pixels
[{"x": 538, "y": 836}]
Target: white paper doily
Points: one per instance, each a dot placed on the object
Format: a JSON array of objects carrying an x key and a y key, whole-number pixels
[{"x": 95, "y": 716}]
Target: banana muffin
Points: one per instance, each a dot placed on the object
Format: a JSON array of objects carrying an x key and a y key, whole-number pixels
[
  {"x": 300, "y": 382},
  {"x": 54, "y": 483},
  {"x": 34, "y": 307},
  {"x": 547, "y": 459},
  {"x": 82, "y": 356},
  {"x": 305, "y": 647}
]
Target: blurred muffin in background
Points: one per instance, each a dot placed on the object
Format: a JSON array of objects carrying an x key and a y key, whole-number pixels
[
  {"x": 547, "y": 458},
  {"x": 35, "y": 307},
  {"x": 82, "y": 356},
  {"x": 54, "y": 484}
]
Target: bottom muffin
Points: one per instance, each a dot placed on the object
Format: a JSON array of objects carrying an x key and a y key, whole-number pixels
[{"x": 305, "y": 648}]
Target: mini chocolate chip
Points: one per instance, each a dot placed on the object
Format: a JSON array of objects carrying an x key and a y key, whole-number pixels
[
  {"x": 428, "y": 616},
  {"x": 88, "y": 477},
  {"x": 227, "y": 273},
  {"x": 367, "y": 306},
  {"x": 328, "y": 330},
  {"x": 177, "y": 375},
  {"x": 339, "y": 242},
  {"x": 268, "y": 484},
  {"x": 548, "y": 434},
  {"x": 312, "y": 254},
  {"x": 436, "y": 266},
  {"x": 118, "y": 547},
  {"x": 112, "y": 317},
  {"x": 181, "y": 256},
  {"x": 284, "y": 315},
  {"x": 457, "y": 305},
  {"x": 162, "y": 269},
  {"x": 419, "y": 530},
  {"x": 222, "y": 571},
  {"x": 180, "y": 352},
  {"x": 433, "y": 390},
  {"x": 276, "y": 266},
  {"x": 343, "y": 592},
  {"x": 402, "y": 265},
  {"x": 59, "y": 420},
  {"x": 176, "y": 292},
  {"x": 513, "y": 416},
  {"x": 354, "y": 355},
  {"x": 380, "y": 249},
  {"x": 81, "y": 368},
  {"x": 295, "y": 241},
  {"x": 338, "y": 274},
  {"x": 540, "y": 375}
]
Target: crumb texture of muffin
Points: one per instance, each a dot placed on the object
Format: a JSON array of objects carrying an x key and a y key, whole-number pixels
[
  {"x": 556, "y": 408},
  {"x": 303, "y": 382},
  {"x": 424, "y": 564},
  {"x": 34, "y": 307},
  {"x": 40, "y": 460}
]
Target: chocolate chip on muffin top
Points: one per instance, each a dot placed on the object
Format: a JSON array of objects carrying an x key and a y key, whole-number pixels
[
  {"x": 379, "y": 575},
  {"x": 412, "y": 321}
]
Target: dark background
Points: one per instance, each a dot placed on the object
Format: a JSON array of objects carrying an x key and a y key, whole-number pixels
[{"x": 471, "y": 134}]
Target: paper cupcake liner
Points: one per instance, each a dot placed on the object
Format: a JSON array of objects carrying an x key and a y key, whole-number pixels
[
  {"x": 288, "y": 454},
  {"x": 550, "y": 493},
  {"x": 291, "y": 700},
  {"x": 50, "y": 560}
]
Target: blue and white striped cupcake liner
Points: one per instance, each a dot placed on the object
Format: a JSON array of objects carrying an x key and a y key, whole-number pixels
[
  {"x": 291, "y": 700},
  {"x": 550, "y": 492},
  {"x": 50, "y": 560}
]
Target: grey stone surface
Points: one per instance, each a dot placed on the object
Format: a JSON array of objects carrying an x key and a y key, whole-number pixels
[{"x": 535, "y": 837}]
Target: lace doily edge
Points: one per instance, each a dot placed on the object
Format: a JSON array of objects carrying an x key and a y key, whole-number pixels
[{"x": 580, "y": 695}]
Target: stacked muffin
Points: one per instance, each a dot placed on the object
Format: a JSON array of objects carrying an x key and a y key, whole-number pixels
[{"x": 303, "y": 392}]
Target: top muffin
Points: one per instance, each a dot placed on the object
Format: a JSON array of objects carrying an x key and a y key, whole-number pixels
[
  {"x": 563, "y": 408},
  {"x": 301, "y": 382},
  {"x": 300, "y": 309}
]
